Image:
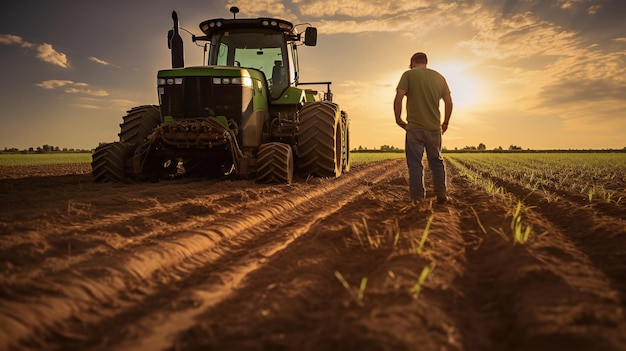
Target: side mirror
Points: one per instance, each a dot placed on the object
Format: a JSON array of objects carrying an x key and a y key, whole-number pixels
[{"x": 310, "y": 36}]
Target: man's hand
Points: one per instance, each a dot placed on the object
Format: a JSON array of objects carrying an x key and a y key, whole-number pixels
[
  {"x": 397, "y": 108},
  {"x": 401, "y": 123},
  {"x": 444, "y": 127}
]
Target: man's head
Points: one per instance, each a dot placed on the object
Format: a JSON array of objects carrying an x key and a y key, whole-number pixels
[{"x": 418, "y": 59}]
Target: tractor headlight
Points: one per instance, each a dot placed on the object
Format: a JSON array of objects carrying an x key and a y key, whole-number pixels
[
  {"x": 170, "y": 81},
  {"x": 245, "y": 81},
  {"x": 219, "y": 80}
]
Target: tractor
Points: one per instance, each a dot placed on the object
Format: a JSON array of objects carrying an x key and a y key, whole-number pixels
[{"x": 243, "y": 113}]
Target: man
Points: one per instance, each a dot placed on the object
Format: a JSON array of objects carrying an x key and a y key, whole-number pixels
[{"x": 423, "y": 88}]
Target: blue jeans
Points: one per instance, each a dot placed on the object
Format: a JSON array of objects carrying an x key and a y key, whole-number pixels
[{"x": 416, "y": 141}]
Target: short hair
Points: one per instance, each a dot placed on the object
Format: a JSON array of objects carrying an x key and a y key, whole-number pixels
[{"x": 419, "y": 57}]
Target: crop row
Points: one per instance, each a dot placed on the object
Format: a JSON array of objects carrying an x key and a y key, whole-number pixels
[{"x": 599, "y": 177}]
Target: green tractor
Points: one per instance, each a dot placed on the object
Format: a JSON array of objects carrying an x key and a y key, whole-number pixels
[{"x": 242, "y": 114}]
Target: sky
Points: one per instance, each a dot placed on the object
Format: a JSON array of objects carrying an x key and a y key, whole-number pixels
[{"x": 538, "y": 74}]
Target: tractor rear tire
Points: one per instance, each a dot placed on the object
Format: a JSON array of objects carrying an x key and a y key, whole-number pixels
[
  {"x": 109, "y": 162},
  {"x": 319, "y": 140},
  {"x": 275, "y": 163},
  {"x": 139, "y": 123}
]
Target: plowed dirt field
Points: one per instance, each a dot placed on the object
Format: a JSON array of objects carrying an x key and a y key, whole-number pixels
[{"x": 320, "y": 264}]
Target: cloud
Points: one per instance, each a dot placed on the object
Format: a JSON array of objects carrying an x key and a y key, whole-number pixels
[
  {"x": 590, "y": 76},
  {"x": 102, "y": 62},
  {"x": 587, "y": 5},
  {"x": 415, "y": 18},
  {"x": 13, "y": 39},
  {"x": 122, "y": 102},
  {"x": 97, "y": 60},
  {"x": 592, "y": 10},
  {"x": 363, "y": 8},
  {"x": 268, "y": 8},
  {"x": 360, "y": 16},
  {"x": 90, "y": 92},
  {"x": 89, "y": 107},
  {"x": 575, "y": 4},
  {"x": 44, "y": 52},
  {"x": 96, "y": 103},
  {"x": 72, "y": 87},
  {"x": 47, "y": 53},
  {"x": 52, "y": 84},
  {"x": 517, "y": 36}
]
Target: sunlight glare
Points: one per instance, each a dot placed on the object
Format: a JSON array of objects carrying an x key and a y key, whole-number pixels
[{"x": 464, "y": 88}]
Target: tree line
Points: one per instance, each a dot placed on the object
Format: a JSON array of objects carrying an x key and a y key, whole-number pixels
[
  {"x": 42, "y": 150},
  {"x": 483, "y": 148}
]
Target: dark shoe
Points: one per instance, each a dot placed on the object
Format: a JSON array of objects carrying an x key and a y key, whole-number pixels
[
  {"x": 418, "y": 199},
  {"x": 442, "y": 199}
]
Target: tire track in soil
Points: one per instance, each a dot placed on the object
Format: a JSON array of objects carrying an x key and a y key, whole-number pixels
[
  {"x": 548, "y": 293},
  {"x": 73, "y": 294},
  {"x": 173, "y": 213}
]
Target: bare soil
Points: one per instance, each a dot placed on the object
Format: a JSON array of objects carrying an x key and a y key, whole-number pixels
[{"x": 194, "y": 264}]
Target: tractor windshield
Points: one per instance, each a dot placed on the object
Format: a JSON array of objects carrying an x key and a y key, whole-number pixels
[{"x": 265, "y": 51}]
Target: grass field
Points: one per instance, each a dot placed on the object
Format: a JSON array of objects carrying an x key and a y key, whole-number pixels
[
  {"x": 43, "y": 159},
  {"x": 367, "y": 157},
  {"x": 67, "y": 158}
]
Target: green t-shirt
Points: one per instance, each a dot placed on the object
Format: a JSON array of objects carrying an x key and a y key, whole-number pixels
[{"x": 424, "y": 88}]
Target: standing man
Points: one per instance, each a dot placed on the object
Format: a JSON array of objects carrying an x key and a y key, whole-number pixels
[{"x": 423, "y": 88}]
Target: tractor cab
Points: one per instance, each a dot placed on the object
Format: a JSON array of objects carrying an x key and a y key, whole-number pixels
[{"x": 268, "y": 45}]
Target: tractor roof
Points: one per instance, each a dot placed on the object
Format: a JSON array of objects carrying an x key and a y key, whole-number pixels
[{"x": 211, "y": 26}]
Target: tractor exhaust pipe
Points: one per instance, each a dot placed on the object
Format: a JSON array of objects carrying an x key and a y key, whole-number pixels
[{"x": 175, "y": 44}]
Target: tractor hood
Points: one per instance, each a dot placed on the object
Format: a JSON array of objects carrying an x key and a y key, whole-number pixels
[{"x": 209, "y": 71}]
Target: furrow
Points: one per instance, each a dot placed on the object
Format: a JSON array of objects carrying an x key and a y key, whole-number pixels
[{"x": 73, "y": 293}]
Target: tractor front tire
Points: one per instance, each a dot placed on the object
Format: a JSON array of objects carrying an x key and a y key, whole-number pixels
[
  {"x": 109, "y": 162},
  {"x": 319, "y": 140},
  {"x": 139, "y": 123},
  {"x": 274, "y": 163}
]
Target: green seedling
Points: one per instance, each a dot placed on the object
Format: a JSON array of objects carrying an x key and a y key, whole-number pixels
[
  {"x": 360, "y": 294},
  {"x": 519, "y": 234},
  {"x": 417, "y": 288},
  {"x": 417, "y": 248}
]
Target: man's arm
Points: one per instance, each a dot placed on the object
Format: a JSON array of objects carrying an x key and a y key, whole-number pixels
[
  {"x": 447, "y": 100},
  {"x": 397, "y": 107}
]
